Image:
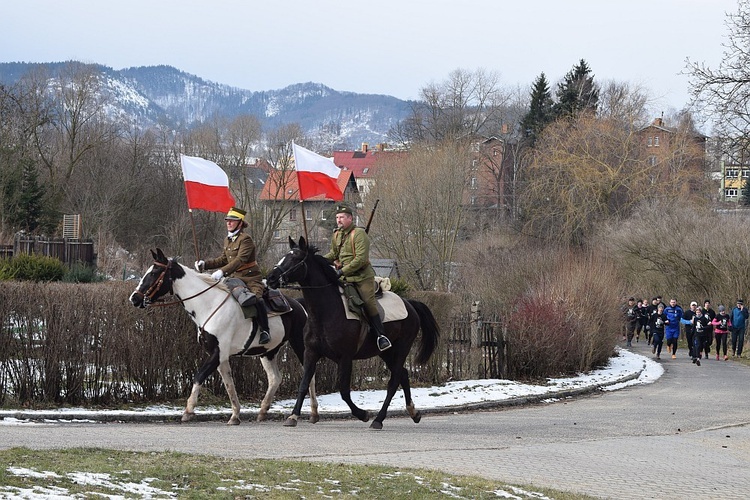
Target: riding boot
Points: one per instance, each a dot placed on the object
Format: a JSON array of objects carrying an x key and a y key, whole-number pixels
[
  {"x": 264, "y": 337},
  {"x": 377, "y": 326}
]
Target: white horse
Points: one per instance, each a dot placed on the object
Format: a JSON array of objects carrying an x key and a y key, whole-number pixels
[{"x": 223, "y": 330}]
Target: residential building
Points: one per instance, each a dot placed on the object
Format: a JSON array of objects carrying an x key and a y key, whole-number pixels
[
  {"x": 366, "y": 163},
  {"x": 293, "y": 218},
  {"x": 491, "y": 176},
  {"x": 671, "y": 151}
]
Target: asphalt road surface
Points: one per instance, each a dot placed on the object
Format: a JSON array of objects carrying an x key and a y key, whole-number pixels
[{"x": 685, "y": 436}]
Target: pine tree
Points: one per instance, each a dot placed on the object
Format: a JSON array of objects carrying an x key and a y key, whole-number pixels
[
  {"x": 577, "y": 92},
  {"x": 30, "y": 207},
  {"x": 745, "y": 195},
  {"x": 540, "y": 109}
]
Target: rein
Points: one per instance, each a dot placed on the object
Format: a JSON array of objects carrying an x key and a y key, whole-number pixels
[
  {"x": 283, "y": 274},
  {"x": 156, "y": 285}
]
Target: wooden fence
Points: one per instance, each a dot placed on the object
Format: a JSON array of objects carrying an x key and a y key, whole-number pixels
[{"x": 69, "y": 251}]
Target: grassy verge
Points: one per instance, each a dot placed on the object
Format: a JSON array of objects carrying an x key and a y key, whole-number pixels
[{"x": 89, "y": 473}]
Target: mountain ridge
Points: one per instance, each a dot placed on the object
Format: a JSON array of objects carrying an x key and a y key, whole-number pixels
[{"x": 163, "y": 93}]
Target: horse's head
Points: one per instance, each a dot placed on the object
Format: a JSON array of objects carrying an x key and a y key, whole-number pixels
[
  {"x": 157, "y": 281},
  {"x": 292, "y": 267}
]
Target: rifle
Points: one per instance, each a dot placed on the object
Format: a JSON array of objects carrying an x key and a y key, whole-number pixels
[{"x": 372, "y": 214}]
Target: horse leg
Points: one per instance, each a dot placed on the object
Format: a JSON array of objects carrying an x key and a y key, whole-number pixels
[
  {"x": 271, "y": 366},
  {"x": 415, "y": 414},
  {"x": 225, "y": 370},
  {"x": 314, "y": 415},
  {"x": 393, "y": 382},
  {"x": 345, "y": 388},
  {"x": 203, "y": 372},
  {"x": 308, "y": 375}
]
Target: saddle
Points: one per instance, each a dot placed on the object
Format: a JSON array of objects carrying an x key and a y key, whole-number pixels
[
  {"x": 390, "y": 306},
  {"x": 276, "y": 303}
]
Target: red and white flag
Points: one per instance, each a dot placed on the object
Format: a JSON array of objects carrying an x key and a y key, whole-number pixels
[
  {"x": 316, "y": 175},
  {"x": 206, "y": 185}
]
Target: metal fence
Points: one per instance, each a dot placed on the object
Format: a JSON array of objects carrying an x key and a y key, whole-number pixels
[{"x": 476, "y": 347}]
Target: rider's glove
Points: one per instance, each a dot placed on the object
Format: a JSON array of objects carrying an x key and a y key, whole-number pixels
[
  {"x": 200, "y": 266},
  {"x": 218, "y": 274},
  {"x": 339, "y": 273}
]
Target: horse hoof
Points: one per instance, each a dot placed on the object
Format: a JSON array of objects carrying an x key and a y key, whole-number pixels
[
  {"x": 376, "y": 425},
  {"x": 363, "y": 415},
  {"x": 314, "y": 419},
  {"x": 417, "y": 417},
  {"x": 187, "y": 417},
  {"x": 290, "y": 422},
  {"x": 262, "y": 417},
  {"x": 234, "y": 421}
]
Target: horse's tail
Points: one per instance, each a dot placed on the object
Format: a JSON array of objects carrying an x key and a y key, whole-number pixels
[{"x": 430, "y": 331}]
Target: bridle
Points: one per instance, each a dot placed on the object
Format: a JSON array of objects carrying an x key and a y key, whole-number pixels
[
  {"x": 148, "y": 295},
  {"x": 301, "y": 263}
]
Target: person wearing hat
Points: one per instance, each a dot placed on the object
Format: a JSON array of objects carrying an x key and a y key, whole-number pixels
[
  {"x": 721, "y": 323},
  {"x": 739, "y": 323},
  {"x": 350, "y": 255},
  {"x": 238, "y": 261}
]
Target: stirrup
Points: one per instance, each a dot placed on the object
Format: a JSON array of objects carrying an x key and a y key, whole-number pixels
[
  {"x": 383, "y": 343},
  {"x": 264, "y": 338}
]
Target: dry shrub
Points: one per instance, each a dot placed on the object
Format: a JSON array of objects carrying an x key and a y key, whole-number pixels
[
  {"x": 683, "y": 251},
  {"x": 560, "y": 305}
]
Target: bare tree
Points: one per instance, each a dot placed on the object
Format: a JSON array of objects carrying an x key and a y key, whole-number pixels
[
  {"x": 465, "y": 105},
  {"x": 725, "y": 91},
  {"x": 421, "y": 212}
]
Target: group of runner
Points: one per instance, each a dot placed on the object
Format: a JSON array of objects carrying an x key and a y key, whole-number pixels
[{"x": 702, "y": 326}]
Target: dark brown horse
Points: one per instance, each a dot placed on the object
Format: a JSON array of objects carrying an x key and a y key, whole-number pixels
[{"x": 330, "y": 334}]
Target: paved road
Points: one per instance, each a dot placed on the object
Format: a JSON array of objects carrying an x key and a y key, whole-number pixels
[{"x": 685, "y": 436}]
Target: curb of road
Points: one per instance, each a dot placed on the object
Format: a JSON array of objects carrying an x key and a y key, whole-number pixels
[{"x": 273, "y": 415}]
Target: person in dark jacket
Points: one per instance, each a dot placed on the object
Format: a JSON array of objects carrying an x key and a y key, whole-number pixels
[
  {"x": 630, "y": 313},
  {"x": 642, "y": 311},
  {"x": 709, "y": 337},
  {"x": 237, "y": 260},
  {"x": 700, "y": 325},
  {"x": 739, "y": 323},
  {"x": 657, "y": 323},
  {"x": 689, "y": 327}
]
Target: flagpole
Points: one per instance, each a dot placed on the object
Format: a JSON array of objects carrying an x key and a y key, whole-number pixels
[
  {"x": 304, "y": 218},
  {"x": 195, "y": 237}
]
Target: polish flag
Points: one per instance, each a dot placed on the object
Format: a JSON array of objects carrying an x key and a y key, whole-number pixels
[
  {"x": 206, "y": 185},
  {"x": 316, "y": 175}
]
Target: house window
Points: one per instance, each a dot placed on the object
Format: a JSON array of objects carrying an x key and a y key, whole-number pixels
[
  {"x": 474, "y": 183},
  {"x": 293, "y": 214},
  {"x": 308, "y": 214},
  {"x": 277, "y": 235},
  {"x": 730, "y": 192},
  {"x": 656, "y": 141},
  {"x": 365, "y": 170},
  {"x": 495, "y": 152},
  {"x": 473, "y": 200},
  {"x": 652, "y": 160},
  {"x": 731, "y": 173},
  {"x": 745, "y": 173},
  {"x": 650, "y": 141}
]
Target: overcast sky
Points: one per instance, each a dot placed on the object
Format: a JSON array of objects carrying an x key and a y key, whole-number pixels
[{"x": 391, "y": 47}]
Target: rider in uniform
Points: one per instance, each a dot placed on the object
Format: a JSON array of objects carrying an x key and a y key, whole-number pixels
[
  {"x": 238, "y": 261},
  {"x": 350, "y": 254}
]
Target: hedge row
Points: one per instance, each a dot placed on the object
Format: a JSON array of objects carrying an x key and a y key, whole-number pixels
[{"x": 85, "y": 344}]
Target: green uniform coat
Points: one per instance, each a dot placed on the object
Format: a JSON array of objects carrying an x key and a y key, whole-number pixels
[{"x": 351, "y": 247}]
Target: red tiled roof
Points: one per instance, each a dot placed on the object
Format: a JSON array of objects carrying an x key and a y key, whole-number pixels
[{"x": 358, "y": 161}]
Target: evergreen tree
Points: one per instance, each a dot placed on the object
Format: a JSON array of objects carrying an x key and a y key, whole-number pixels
[
  {"x": 30, "y": 204},
  {"x": 745, "y": 194},
  {"x": 577, "y": 92},
  {"x": 540, "y": 110}
]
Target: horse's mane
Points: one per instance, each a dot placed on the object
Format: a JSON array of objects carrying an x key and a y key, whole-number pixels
[
  {"x": 328, "y": 270},
  {"x": 206, "y": 278}
]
